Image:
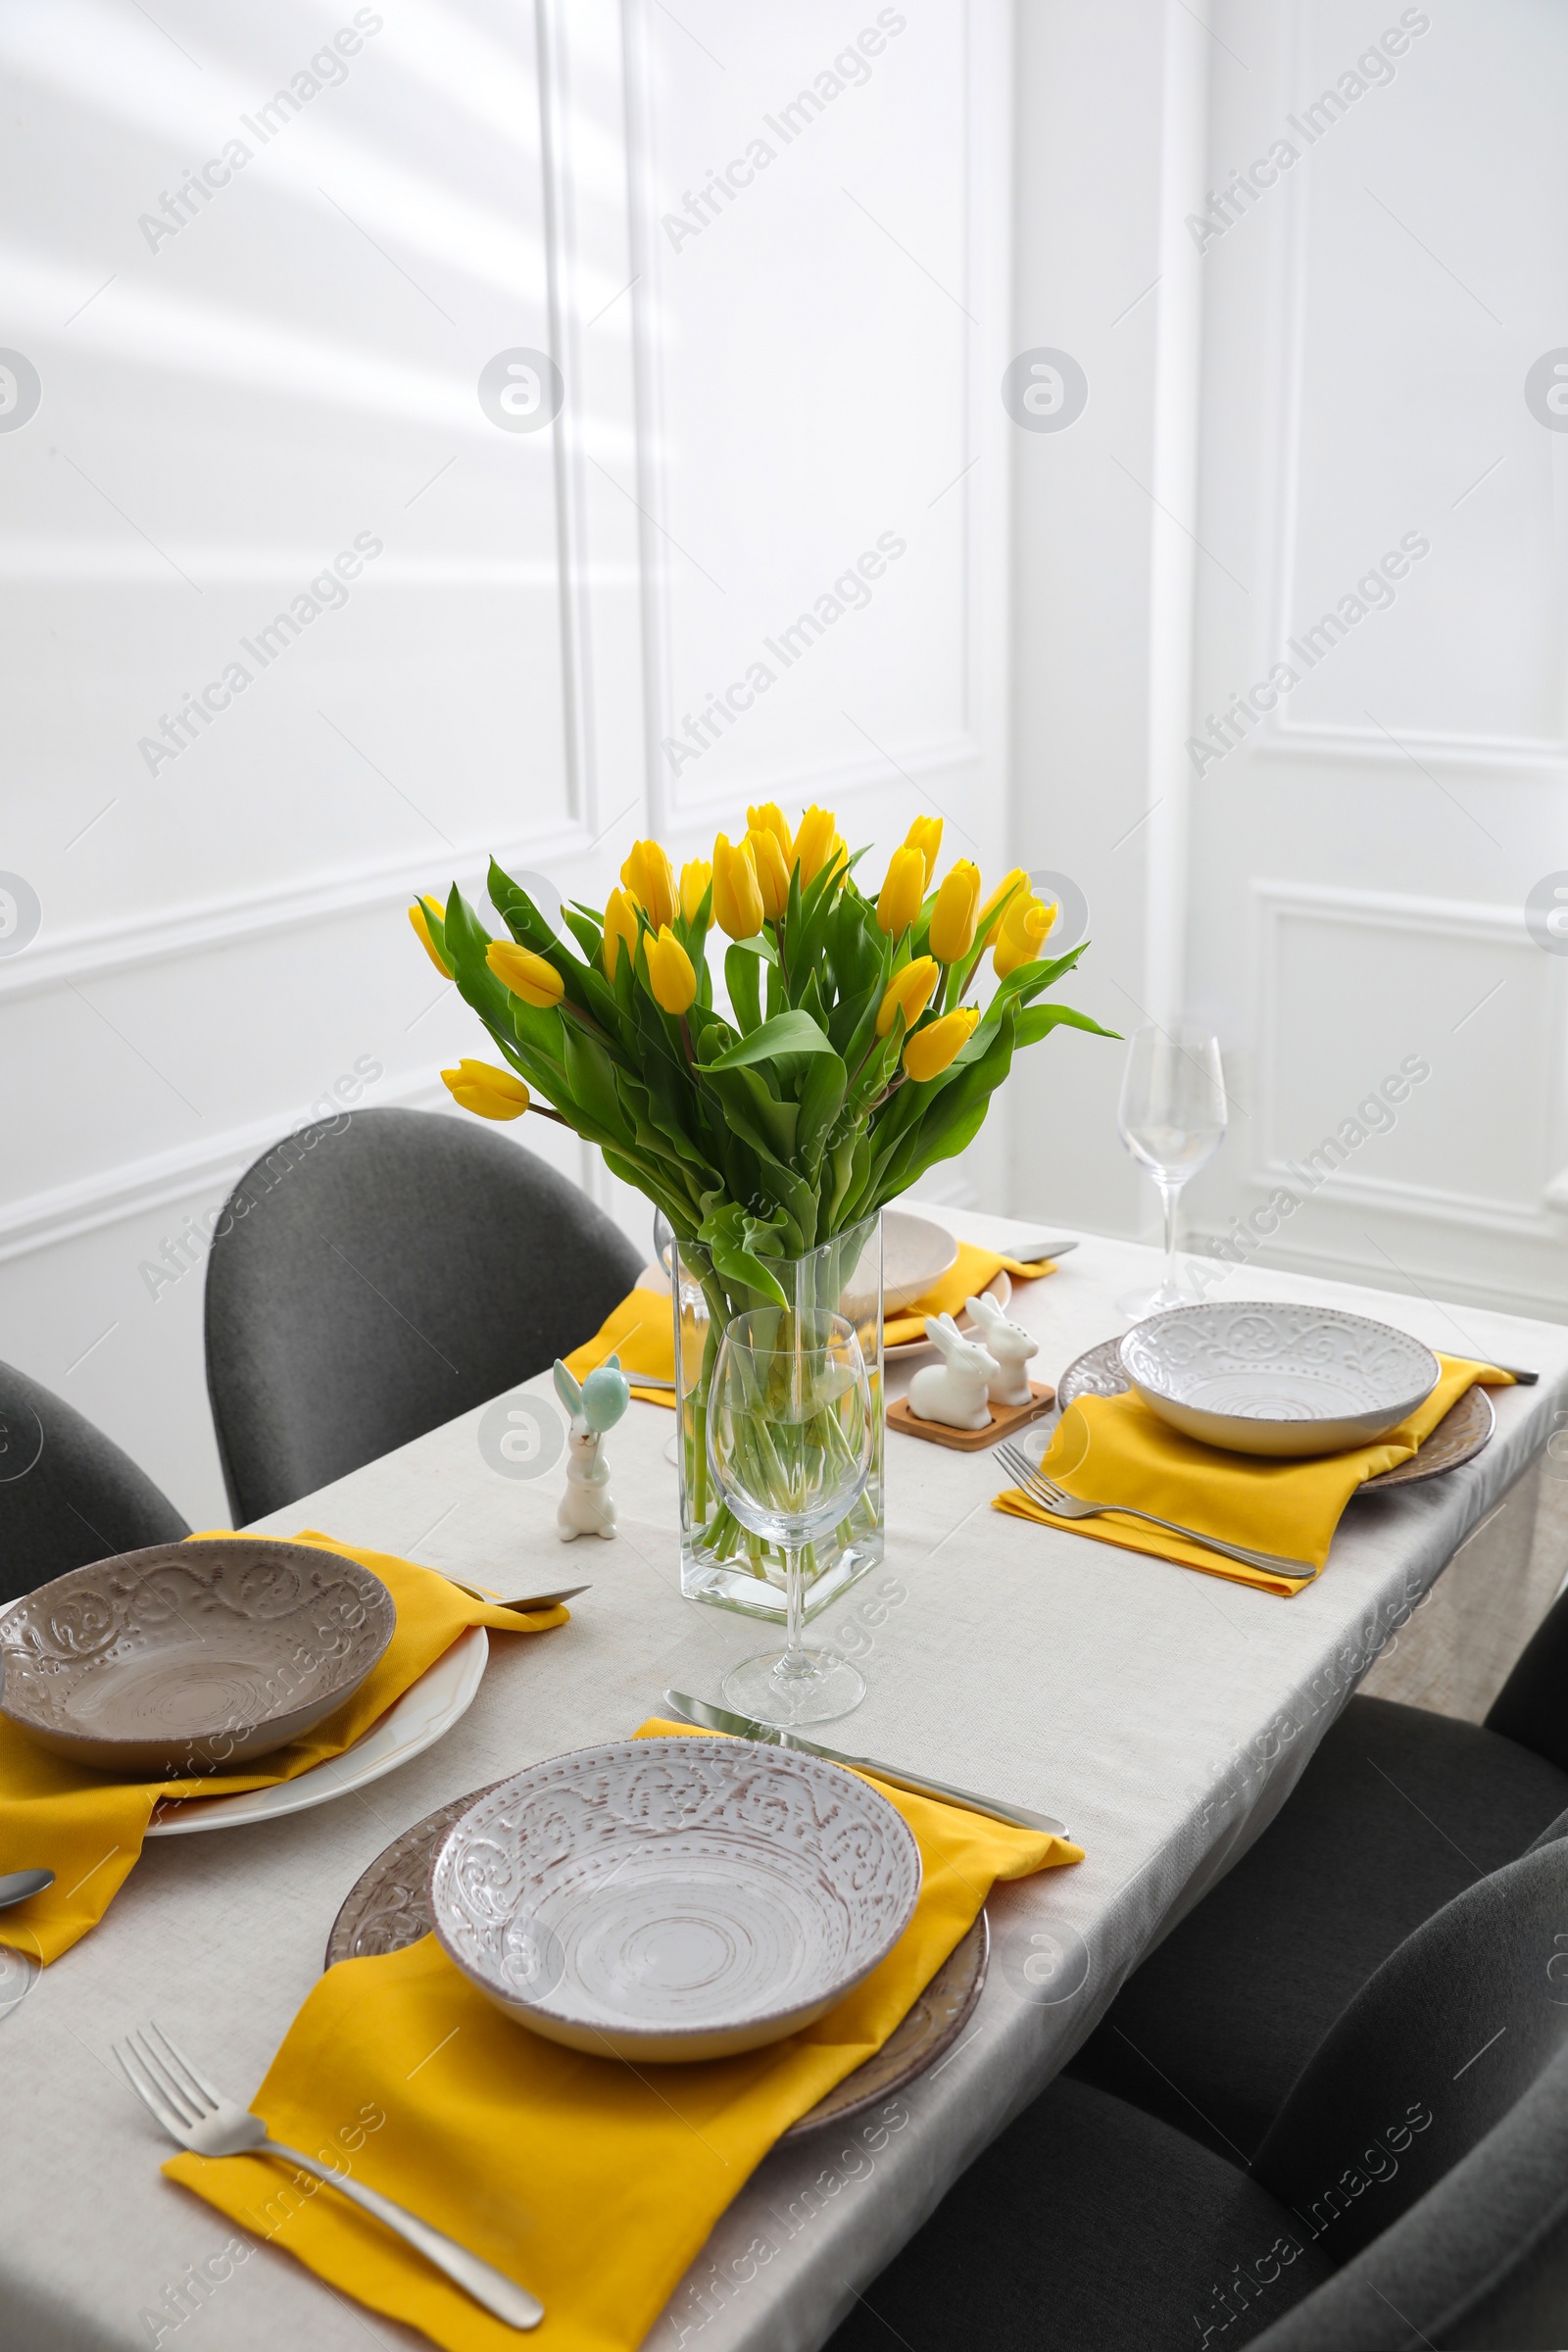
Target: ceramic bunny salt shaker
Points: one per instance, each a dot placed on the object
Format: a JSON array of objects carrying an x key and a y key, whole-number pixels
[
  {"x": 1010, "y": 1344},
  {"x": 596, "y": 1406},
  {"x": 954, "y": 1391}
]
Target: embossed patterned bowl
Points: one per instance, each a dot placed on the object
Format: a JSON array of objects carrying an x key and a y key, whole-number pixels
[
  {"x": 1284, "y": 1381},
  {"x": 670, "y": 1900},
  {"x": 188, "y": 1656}
]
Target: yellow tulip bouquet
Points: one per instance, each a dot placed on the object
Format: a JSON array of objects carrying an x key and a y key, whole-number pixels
[{"x": 853, "y": 1052}]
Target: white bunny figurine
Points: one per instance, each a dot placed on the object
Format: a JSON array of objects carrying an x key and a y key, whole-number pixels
[
  {"x": 954, "y": 1391},
  {"x": 586, "y": 1508},
  {"x": 1010, "y": 1344}
]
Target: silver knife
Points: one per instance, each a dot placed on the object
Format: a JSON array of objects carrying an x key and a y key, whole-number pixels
[
  {"x": 742, "y": 1727},
  {"x": 1031, "y": 1253},
  {"x": 524, "y": 1600}
]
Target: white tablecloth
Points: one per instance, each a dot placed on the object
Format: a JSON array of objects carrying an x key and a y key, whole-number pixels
[{"x": 1164, "y": 1715}]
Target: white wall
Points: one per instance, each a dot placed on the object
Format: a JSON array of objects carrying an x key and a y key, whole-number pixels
[
  {"x": 1343, "y": 365},
  {"x": 225, "y": 407},
  {"x": 1092, "y": 553}
]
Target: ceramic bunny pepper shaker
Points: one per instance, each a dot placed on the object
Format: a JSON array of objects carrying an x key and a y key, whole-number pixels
[
  {"x": 1010, "y": 1344},
  {"x": 954, "y": 1391},
  {"x": 585, "y": 1508}
]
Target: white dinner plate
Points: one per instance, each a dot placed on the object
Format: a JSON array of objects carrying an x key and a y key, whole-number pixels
[
  {"x": 424, "y": 1714},
  {"x": 999, "y": 1287}
]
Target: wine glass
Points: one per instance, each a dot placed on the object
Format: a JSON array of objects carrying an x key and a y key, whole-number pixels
[
  {"x": 1172, "y": 1120},
  {"x": 789, "y": 1444}
]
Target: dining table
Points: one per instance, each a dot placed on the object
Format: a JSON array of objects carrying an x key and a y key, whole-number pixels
[{"x": 1162, "y": 1714}]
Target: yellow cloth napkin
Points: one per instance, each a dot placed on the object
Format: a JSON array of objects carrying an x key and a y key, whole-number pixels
[
  {"x": 642, "y": 1331},
  {"x": 88, "y": 1827},
  {"x": 965, "y": 1279},
  {"x": 1105, "y": 1447},
  {"x": 591, "y": 2181}
]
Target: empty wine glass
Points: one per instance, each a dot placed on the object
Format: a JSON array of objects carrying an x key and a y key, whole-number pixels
[
  {"x": 1172, "y": 1120},
  {"x": 789, "y": 1443}
]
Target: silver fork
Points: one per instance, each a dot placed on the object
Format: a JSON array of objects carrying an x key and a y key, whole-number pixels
[
  {"x": 202, "y": 2120},
  {"x": 1063, "y": 1505}
]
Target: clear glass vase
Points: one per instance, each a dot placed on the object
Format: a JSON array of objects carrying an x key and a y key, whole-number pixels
[{"x": 721, "y": 1561}]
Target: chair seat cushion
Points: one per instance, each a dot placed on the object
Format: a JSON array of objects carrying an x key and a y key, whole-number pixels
[
  {"x": 1398, "y": 1811},
  {"x": 1090, "y": 2226}
]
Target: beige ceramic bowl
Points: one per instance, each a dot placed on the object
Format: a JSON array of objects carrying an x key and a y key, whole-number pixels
[{"x": 190, "y": 1657}]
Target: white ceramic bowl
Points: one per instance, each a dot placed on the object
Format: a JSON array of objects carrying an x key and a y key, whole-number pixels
[
  {"x": 915, "y": 1253},
  {"x": 1277, "y": 1380},
  {"x": 673, "y": 1899}
]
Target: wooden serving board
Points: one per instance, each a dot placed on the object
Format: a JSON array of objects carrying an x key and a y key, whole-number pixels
[{"x": 1004, "y": 1419}]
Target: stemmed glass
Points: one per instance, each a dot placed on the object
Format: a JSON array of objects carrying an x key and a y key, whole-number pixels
[
  {"x": 789, "y": 1444},
  {"x": 1172, "y": 1118}
]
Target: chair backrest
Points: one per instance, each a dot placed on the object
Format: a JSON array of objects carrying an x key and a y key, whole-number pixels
[
  {"x": 1532, "y": 1707},
  {"x": 67, "y": 1494},
  {"x": 1480, "y": 2259},
  {"x": 376, "y": 1274},
  {"x": 1434, "y": 2052}
]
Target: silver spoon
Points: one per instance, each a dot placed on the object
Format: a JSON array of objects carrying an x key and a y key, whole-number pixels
[{"x": 17, "y": 1884}]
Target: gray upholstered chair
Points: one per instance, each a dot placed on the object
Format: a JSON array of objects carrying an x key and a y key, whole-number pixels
[
  {"x": 67, "y": 1494},
  {"x": 1412, "y": 2189},
  {"x": 1397, "y": 1810},
  {"x": 376, "y": 1274}
]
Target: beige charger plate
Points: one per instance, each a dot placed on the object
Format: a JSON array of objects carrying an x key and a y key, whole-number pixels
[{"x": 386, "y": 1908}]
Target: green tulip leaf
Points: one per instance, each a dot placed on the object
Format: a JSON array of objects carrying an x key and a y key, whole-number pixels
[{"x": 786, "y": 1033}]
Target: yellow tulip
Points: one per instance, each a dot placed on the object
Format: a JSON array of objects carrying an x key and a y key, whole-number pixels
[
  {"x": 737, "y": 901},
  {"x": 816, "y": 842},
  {"x": 620, "y": 923},
  {"x": 769, "y": 818},
  {"x": 952, "y": 917},
  {"x": 925, "y": 835},
  {"x": 418, "y": 916},
  {"x": 902, "y": 889},
  {"x": 910, "y": 992},
  {"x": 930, "y": 1051},
  {"x": 772, "y": 874},
  {"x": 526, "y": 974},
  {"x": 491, "y": 1094},
  {"x": 671, "y": 977},
  {"x": 988, "y": 923},
  {"x": 1024, "y": 929},
  {"x": 695, "y": 876},
  {"x": 649, "y": 876}
]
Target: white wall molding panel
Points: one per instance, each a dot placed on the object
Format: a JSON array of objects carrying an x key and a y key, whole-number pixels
[{"x": 299, "y": 421}]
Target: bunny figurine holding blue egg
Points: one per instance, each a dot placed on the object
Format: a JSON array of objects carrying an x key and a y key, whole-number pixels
[{"x": 595, "y": 1406}]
